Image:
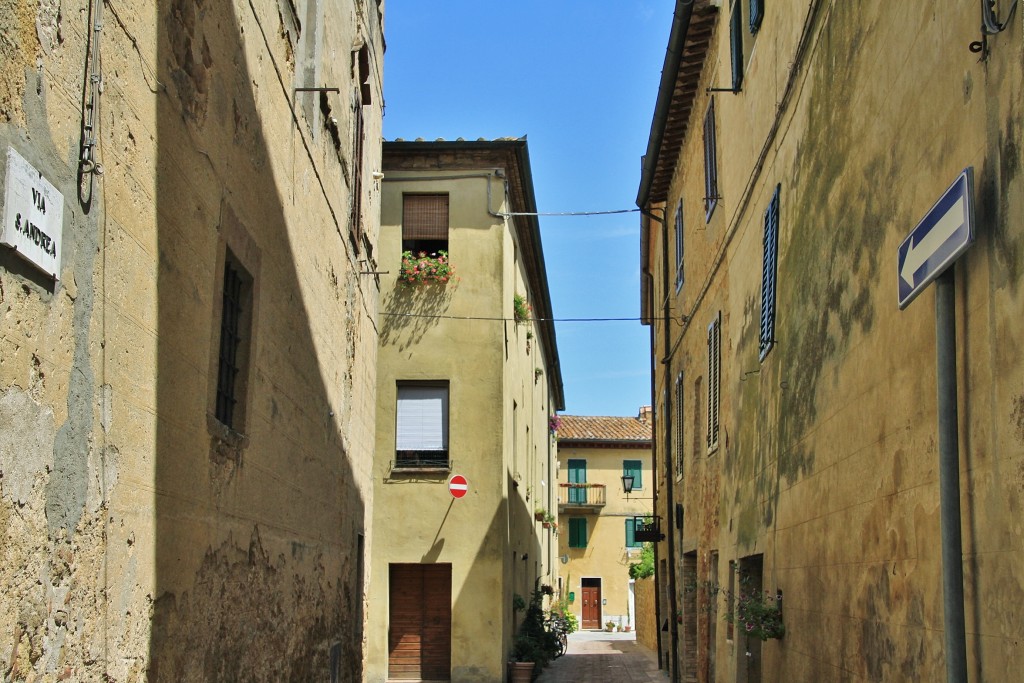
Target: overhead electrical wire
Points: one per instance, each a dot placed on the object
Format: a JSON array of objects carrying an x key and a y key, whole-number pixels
[{"x": 511, "y": 320}]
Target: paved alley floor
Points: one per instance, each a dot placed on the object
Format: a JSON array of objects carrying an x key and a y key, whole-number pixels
[{"x": 601, "y": 657}]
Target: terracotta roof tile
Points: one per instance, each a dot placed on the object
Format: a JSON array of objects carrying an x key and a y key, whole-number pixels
[{"x": 590, "y": 428}]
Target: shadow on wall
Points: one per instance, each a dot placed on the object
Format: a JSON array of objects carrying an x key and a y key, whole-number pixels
[
  {"x": 409, "y": 311},
  {"x": 258, "y": 538}
]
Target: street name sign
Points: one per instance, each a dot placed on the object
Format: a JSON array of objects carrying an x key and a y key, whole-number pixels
[
  {"x": 945, "y": 233},
  {"x": 33, "y": 215},
  {"x": 458, "y": 486}
]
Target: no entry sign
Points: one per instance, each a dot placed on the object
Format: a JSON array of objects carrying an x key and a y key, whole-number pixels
[{"x": 458, "y": 486}]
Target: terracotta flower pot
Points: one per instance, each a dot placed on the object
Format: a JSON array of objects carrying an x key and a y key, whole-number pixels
[{"x": 521, "y": 672}]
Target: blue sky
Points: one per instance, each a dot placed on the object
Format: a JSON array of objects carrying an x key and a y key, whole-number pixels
[{"x": 579, "y": 78}]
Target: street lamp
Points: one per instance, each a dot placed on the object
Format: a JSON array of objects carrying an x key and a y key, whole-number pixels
[{"x": 627, "y": 484}]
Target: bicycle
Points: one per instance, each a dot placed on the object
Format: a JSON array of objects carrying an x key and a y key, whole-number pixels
[{"x": 558, "y": 626}]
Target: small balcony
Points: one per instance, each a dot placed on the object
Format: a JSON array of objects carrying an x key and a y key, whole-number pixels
[{"x": 581, "y": 497}]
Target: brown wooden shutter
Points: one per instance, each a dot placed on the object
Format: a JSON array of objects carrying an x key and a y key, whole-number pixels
[
  {"x": 420, "y": 622},
  {"x": 425, "y": 217}
]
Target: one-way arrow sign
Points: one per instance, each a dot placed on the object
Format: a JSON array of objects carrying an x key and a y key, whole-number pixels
[{"x": 938, "y": 240}]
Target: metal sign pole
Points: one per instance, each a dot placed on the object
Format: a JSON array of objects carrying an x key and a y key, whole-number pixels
[{"x": 949, "y": 479}]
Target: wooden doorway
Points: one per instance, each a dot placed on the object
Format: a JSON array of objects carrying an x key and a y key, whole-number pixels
[
  {"x": 420, "y": 622},
  {"x": 591, "y": 589}
]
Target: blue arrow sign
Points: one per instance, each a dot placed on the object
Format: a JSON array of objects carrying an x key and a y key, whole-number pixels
[{"x": 938, "y": 240}]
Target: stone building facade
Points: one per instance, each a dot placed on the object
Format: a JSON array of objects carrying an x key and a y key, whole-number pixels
[
  {"x": 187, "y": 363},
  {"x": 794, "y": 147}
]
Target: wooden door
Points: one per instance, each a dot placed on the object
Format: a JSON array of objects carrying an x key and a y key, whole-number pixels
[
  {"x": 591, "y": 606},
  {"x": 420, "y": 622}
]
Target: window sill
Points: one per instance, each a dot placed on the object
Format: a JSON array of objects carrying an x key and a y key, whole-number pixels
[{"x": 226, "y": 442}]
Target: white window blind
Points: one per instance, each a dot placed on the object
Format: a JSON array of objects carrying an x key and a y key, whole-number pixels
[{"x": 422, "y": 418}]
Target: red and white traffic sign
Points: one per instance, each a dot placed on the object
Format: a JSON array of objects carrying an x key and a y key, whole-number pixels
[{"x": 458, "y": 486}]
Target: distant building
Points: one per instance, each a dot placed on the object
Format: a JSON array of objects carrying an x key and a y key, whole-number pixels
[
  {"x": 598, "y": 523},
  {"x": 187, "y": 338},
  {"x": 794, "y": 147},
  {"x": 465, "y": 388}
]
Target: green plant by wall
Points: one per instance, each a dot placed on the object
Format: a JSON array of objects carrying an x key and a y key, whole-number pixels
[
  {"x": 645, "y": 567},
  {"x": 520, "y": 308}
]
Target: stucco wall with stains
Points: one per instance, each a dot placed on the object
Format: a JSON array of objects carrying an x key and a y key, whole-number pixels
[
  {"x": 143, "y": 540},
  {"x": 827, "y": 466}
]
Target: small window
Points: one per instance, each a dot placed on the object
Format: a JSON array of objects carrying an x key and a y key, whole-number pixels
[
  {"x": 634, "y": 468},
  {"x": 769, "y": 272},
  {"x": 631, "y": 541},
  {"x": 421, "y": 430},
  {"x": 679, "y": 246},
  {"x": 714, "y": 380},
  {"x": 425, "y": 223},
  {"x": 233, "y": 357},
  {"x": 577, "y": 532},
  {"x": 710, "y": 161},
  {"x": 362, "y": 97},
  {"x": 677, "y": 426}
]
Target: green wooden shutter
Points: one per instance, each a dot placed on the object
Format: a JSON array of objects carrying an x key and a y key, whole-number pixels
[
  {"x": 635, "y": 468},
  {"x": 769, "y": 272},
  {"x": 577, "y": 532}
]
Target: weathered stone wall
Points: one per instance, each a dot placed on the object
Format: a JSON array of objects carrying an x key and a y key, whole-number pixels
[
  {"x": 827, "y": 466},
  {"x": 143, "y": 540},
  {"x": 646, "y": 618}
]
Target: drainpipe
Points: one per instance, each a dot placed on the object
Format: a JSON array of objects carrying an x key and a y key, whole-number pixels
[
  {"x": 670, "y": 476},
  {"x": 658, "y": 615}
]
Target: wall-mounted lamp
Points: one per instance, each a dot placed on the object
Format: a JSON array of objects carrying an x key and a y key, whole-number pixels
[
  {"x": 627, "y": 483},
  {"x": 564, "y": 559}
]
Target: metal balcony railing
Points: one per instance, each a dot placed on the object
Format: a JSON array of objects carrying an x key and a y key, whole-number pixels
[{"x": 582, "y": 496}]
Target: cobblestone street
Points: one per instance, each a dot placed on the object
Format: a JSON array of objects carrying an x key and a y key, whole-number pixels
[{"x": 601, "y": 657}]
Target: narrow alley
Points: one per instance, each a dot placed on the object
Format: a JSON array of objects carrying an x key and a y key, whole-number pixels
[{"x": 602, "y": 657}]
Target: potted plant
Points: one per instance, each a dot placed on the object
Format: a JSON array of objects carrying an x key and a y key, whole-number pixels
[
  {"x": 539, "y": 514},
  {"x": 525, "y": 653},
  {"x": 423, "y": 268},
  {"x": 520, "y": 308},
  {"x": 758, "y": 614},
  {"x": 609, "y": 626},
  {"x": 549, "y": 519}
]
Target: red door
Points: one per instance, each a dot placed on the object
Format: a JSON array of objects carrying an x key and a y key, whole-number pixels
[{"x": 591, "y": 606}]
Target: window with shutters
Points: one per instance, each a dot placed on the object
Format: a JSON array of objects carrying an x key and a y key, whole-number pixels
[
  {"x": 710, "y": 161},
  {"x": 714, "y": 380},
  {"x": 756, "y": 14},
  {"x": 233, "y": 357},
  {"x": 736, "y": 44},
  {"x": 769, "y": 272},
  {"x": 634, "y": 468},
  {"x": 631, "y": 541},
  {"x": 421, "y": 425},
  {"x": 742, "y": 36},
  {"x": 679, "y": 246},
  {"x": 577, "y": 532},
  {"x": 677, "y": 426},
  {"x": 425, "y": 223}
]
